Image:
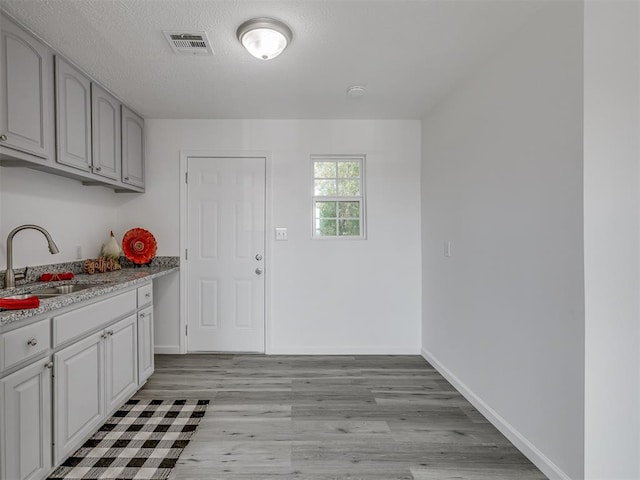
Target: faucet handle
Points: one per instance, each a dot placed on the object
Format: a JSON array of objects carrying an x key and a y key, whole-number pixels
[{"x": 21, "y": 276}]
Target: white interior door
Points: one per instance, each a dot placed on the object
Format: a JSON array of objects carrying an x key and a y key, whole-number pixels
[{"x": 225, "y": 242}]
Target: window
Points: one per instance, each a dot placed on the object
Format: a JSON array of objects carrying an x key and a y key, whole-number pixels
[{"x": 338, "y": 196}]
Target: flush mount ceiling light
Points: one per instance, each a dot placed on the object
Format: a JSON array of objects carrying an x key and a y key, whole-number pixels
[{"x": 264, "y": 38}]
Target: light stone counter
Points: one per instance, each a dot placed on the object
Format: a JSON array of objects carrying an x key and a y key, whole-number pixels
[{"x": 105, "y": 283}]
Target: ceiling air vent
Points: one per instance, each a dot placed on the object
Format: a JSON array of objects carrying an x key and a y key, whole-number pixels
[{"x": 189, "y": 43}]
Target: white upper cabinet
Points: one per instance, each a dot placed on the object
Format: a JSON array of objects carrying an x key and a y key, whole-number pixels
[
  {"x": 132, "y": 148},
  {"x": 73, "y": 116},
  {"x": 26, "y": 88},
  {"x": 106, "y": 132},
  {"x": 55, "y": 118}
]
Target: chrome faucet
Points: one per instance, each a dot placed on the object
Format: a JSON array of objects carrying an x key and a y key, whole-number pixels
[{"x": 9, "y": 276}]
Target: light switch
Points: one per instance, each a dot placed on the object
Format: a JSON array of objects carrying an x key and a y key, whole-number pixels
[{"x": 281, "y": 234}]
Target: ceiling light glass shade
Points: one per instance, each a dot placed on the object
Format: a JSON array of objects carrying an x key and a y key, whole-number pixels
[{"x": 264, "y": 38}]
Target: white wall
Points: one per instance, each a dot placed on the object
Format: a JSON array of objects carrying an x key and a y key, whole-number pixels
[
  {"x": 72, "y": 213},
  {"x": 611, "y": 213},
  {"x": 374, "y": 284},
  {"x": 502, "y": 179}
]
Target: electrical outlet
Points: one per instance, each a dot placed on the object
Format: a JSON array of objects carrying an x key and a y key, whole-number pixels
[{"x": 281, "y": 234}]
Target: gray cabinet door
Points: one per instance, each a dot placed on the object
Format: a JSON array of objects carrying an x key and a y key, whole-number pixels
[
  {"x": 121, "y": 362},
  {"x": 145, "y": 345},
  {"x": 132, "y": 148},
  {"x": 73, "y": 116},
  {"x": 106, "y": 131},
  {"x": 25, "y": 92},
  {"x": 25, "y": 418},
  {"x": 78, "y": 394}
]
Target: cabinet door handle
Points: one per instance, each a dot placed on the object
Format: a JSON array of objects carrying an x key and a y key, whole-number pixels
[
  {"x": 110, "y": 333},
  {"x": 105, "y": 335},
  {"x": 3, "y": 138},
  {"x": 147, "y": 295},
  {"x": 48, "y": 365},
  {"x": 98, "y": 169},
  {"x": 126, "y": 178},
  {"x": 33, "y": 342}
]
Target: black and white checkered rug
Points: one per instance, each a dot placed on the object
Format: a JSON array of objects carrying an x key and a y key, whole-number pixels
[{"x": 142, "y": 440}]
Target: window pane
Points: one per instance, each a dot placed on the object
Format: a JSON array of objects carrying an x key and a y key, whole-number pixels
[
  {"x": 326, "y": 228},
  {"x": 349, "y": 209},
  {"x": 348, "y": 169},
  {"x": 324, "y": 169},
  {"x": 325, "y": 187},
  {"x": 349, "y": 187},
  {"x": 349, "y": 227},
  {"x": 326, "y": 209},
  {"x": 338, "y": 198}
]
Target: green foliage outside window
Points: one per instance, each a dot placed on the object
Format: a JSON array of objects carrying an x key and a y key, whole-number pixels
[{"x": 339, "y": 213}]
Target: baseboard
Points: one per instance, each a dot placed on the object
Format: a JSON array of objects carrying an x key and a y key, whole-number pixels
[
  {"x": 328, "y": 350},
  {"x": 166, "y": 349},
  {"x": 175, "y": 349},
  {"x": 541, "y": 461}
]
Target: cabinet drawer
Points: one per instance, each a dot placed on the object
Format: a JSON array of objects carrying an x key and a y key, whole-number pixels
[
  {"x": 74, "y": 324},
  {"x": 24, "y": 343},
  {"x": 145, "y": 295}
]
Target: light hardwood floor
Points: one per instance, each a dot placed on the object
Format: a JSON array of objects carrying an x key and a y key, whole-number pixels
[{"x": 336, "y": 417}]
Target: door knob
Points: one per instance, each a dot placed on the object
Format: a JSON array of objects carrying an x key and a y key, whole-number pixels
[
  {"x": 3, "y": 138},
  {"x": 258, "y": 271},
  {"x": 258, "y": 257}
]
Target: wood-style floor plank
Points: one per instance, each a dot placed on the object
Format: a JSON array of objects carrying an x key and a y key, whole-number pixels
[{"x": 331, "y": 417}]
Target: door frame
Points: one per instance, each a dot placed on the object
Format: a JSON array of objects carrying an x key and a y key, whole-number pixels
[{"x": 184, "y": 265}]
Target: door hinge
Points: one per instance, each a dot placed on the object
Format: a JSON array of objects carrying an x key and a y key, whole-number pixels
[
  {"x": 186, "y": 254},
  {"x": 186, "y": 330},
  {"x": 186, "y": 177}
]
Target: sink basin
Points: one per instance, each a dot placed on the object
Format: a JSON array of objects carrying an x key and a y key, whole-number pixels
[{"x": 60, "y": 290}]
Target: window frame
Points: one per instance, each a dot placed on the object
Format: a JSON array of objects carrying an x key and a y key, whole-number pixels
[{"x": 361, "y": 199}]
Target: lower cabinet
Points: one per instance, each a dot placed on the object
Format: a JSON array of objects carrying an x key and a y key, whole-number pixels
[
  {"x": 121, "y": 365},
  {"x": 93, "y": 377},
  {"x": 25, "y": 422},
  {"x": 63, "y": 398},
  {"x": 78, "y": 393},
  {"x": 145, "y": 345}
]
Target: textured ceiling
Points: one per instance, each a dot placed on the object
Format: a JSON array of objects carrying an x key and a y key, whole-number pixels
[{"x": 406, "y": 53}]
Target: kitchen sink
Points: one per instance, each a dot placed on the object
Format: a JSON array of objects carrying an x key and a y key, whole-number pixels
[
  {"x": 50, "y": 292},
  {"x": 60, "y": 290}
]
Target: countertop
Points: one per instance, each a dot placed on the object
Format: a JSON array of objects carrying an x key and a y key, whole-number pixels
[{"x": 104, "y": 283}]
